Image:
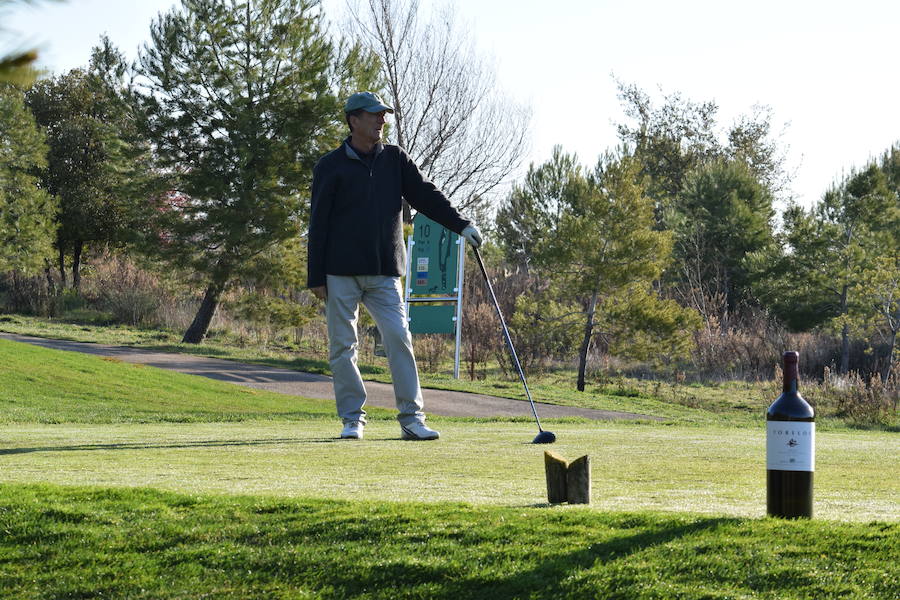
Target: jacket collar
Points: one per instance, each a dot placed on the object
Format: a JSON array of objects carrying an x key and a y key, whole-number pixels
[{"x": 351, "y": 153}]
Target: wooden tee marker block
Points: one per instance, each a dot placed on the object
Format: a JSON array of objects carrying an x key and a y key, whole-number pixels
[{"x": 567, "y": 482}]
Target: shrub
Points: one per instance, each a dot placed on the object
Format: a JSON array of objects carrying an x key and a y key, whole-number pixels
[
  {"x": 431, "y": 351},
  {"x": 30, "y": 294},
  {"x": 480, "y": 331},
  {"x": 860, "y": 399},
  {"x": 131, "y": 294},
  {"x": 267, "y": 315}
]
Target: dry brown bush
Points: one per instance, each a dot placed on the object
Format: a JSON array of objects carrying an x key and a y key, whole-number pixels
[
  {"x": 479, "y": 336},
  {"x": 132, "y": 295},
  {"x": 860, "y": 399},
  {"x": 748, "y": 345},
  {"x": 744, "y": 347},
  {"x": 866, "y": 400},
  {"x": 431, "y": 350}
]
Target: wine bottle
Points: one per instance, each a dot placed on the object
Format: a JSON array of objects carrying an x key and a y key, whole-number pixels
[{"x": 790, "y": 449}]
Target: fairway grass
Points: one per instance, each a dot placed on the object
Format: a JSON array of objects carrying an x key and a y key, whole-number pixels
[{"x": 713, "y": 471}]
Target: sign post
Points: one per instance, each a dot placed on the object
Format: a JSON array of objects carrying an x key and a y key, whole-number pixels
[{"x": 434, "y": 281}]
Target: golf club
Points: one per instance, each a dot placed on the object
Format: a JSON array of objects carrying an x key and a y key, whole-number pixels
[{"x": 543, "y": 437}]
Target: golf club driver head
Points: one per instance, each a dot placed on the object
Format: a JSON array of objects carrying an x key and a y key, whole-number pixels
[{"x": 544, "y": 437}]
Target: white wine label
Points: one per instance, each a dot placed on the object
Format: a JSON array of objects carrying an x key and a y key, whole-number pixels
[{"x": 790, "y": 446}]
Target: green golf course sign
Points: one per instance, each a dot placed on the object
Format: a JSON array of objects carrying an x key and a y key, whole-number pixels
[
  {"x": 432, "y": 289},
  {"x": 435, "y": 255}
]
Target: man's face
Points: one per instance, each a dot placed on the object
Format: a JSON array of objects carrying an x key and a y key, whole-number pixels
[{"x": 368, "y": 126}]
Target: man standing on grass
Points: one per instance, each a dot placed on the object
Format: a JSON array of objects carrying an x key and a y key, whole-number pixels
[{"x": 357, "y": 254}]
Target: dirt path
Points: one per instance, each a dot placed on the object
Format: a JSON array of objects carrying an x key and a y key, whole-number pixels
[{"x": 286, "y": 381}]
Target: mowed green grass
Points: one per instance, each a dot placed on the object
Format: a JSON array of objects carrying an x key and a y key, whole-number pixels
[
  {"x": 130, "y": 482},
  {"x": 113, "y": 543},
  {"x": 713, "y": 471}
]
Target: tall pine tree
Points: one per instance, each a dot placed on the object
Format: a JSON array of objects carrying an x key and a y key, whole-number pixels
[
  {"x": 26, "y": 210},
  {"x": 722, "y": 214},
  {"x": 241, "y": 98}
]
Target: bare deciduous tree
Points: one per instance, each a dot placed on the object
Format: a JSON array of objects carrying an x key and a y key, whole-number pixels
[{"x": 464, "y": 134}]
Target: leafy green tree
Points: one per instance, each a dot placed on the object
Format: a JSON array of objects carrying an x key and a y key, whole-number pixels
[
  {"x": 669, "y": 141},
  {"x": 879, "y": 288},
  {"x": 26, "y": 210},
  {"x": 830, "y": 250},
  {"x": 241, "y": 97},
  {"x": 698, "y": 172},
  {"x": 533, "y": 209},
  {"x": 593, "y": 235},
  {"x": 679, "y": 136},
  {"x": 723, "y": 213},
  {"x": 544, "y": 328},
  {"x": 879, "y": 285},
  {"x": 97, "y": 162},
  {"x": 641, "y": 325},
  {"x": 606, "y": 244}
]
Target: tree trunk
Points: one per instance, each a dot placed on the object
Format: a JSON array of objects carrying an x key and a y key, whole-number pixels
[
  {"x": 845, "y": 349},
  {"x": 200, "y": 325},
  {"x": 890, "y": 357},
  {"x": 845, "y": 336},
  {"x": 62, "y": 265},
  {"x": 77, "y": 248},
  {"x": 48, "y": 273},
  {"x": 586, "y": 342}
]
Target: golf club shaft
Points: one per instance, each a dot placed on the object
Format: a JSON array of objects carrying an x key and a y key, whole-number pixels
[{"x": 512, "y": 349}]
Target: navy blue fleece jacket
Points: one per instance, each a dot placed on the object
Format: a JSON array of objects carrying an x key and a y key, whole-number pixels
[{"x": 356, "y": 222}]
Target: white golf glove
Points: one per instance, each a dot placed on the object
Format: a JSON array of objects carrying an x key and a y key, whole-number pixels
[{"x": 472, "y": 235}]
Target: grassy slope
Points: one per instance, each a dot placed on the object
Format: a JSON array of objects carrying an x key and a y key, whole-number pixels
[
  {"x": 78, "y": 543},
  {"x": 47, "y": 386},
  {"x": 731, "y": 403}
]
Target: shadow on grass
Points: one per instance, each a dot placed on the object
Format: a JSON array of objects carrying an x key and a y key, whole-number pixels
[
  {"x": 168, "y": 446},
  {"x": 189, "y": 444},
  {"x": 547, "y": 576}
]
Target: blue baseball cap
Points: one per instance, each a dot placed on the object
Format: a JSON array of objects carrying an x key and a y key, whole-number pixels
[{"x": 368, "y": 101}]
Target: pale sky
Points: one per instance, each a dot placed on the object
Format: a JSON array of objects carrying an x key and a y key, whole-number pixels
[{"x": 828, "y": 69}]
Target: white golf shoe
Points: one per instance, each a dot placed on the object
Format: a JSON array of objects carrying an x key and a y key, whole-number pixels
[
  {"x": 353, "y": 430},
  {"x": 418, "y": 431}
]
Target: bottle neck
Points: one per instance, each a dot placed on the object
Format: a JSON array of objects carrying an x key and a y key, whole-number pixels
[{"x": 791, "y": 373}]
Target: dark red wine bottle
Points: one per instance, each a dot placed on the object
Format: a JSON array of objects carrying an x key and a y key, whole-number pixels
[{"x": 790, "y": 449}]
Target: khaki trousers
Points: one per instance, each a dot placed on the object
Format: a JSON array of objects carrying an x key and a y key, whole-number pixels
[{"x": 382, "y": 296}]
